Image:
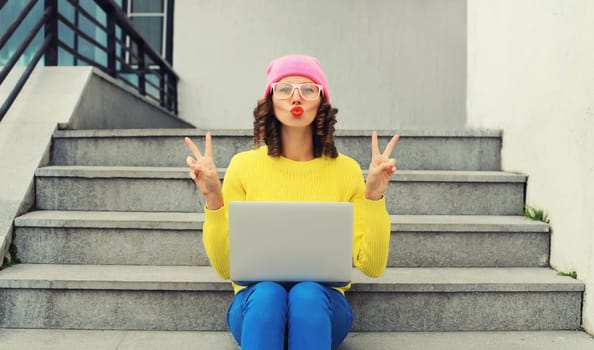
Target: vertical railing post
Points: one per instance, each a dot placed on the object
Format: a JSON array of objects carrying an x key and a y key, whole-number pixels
[
  {"x": 111, "y": 46},
  {"x": 163, "y": 95},
  {"x": 51, "y": 28},
  {"x": 141, "y": 70},
  {"x": 174, "y": 95},
  {"x": 75, "y": 43},
  {"x": 111, "y": 42}
]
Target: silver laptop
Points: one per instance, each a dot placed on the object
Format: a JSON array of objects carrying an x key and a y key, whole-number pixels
[{"x": 291, "y": 241}]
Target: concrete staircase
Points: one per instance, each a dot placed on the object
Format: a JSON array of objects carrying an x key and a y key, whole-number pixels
[{"x": 112, "y": 256}]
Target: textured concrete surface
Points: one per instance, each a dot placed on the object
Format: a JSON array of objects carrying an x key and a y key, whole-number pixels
[
  {"x": 27, "y": 339},
  {"x": 25, "y": 135},
  {"x": 468, "y": 240},
  {"x": 469, "y": 341},
  {"x": 180, "y": 247},
  {"x": 206, "y": 310},
  {"x": 189, "y": 221},
  {"x": 194, "y": 298},
  {"x": 447, "y": 150},
  {"x": 112, "y": 219},
  {"x": 142, "y": 238},
  {"x": 109, "y": 246},
  {"x": 27, "y": 128},
  {"x": 472, "y": 249},
  {"x": 169, "y": 189},
  {"x": 111, "y": 104},
  {"x": 466, "y": 223},
  {"x": 455, "y": 198},
  {"x": 430, "y": 152},
  {"x": 114, "y": 309},
  {"x": 465, "y": 311},
  {"x": 204, "y": 278}
]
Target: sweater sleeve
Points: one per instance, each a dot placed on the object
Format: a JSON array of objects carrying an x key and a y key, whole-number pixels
[
  {"x": 215, "y": 232},
  {"x": 371, "y": 238}
]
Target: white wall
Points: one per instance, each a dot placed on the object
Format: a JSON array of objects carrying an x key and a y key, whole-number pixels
[
  {"x": 390, "y": 63},
  {"x": 531, "y": 73}
]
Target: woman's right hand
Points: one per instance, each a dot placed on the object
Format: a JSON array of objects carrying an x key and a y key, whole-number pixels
[{"x": 204, "y": 173}]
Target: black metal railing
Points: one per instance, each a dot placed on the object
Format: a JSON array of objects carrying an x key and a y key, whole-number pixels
[{"x": 125, "y": 54}]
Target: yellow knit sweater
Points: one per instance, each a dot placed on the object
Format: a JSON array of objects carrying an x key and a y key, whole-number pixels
[{"x": 255, "y": 176}]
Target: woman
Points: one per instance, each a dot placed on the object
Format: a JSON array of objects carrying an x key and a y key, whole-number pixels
[{"x": 298, "y": 162}]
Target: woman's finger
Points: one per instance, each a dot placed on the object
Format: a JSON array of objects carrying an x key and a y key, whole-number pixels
[
  {"x": 390, "y": 147},
  {"x": 193, "y": 147},
  {"x": 208, "y": 145},
  {"x": 374, "y": 146},
  {"x": 389, "y": 166}
]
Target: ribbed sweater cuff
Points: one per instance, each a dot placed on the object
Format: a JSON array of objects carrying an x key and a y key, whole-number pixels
[
  {"x": 214, "y": 215},
  {"x": 379, "y": 204}
]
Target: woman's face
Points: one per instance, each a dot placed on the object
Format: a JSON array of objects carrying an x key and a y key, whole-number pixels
[{"x": 287, "y": 110}]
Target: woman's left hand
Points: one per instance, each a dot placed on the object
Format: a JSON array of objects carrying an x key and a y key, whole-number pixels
[{"x": 381, "y": 169}]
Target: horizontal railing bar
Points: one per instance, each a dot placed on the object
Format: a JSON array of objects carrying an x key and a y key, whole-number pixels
[
  {"x": 91, "y": 62},
  {"x": 149, "y": 82},
  {"x": 17, "y": 21},
  {"x": 125, "y": 80},
  {"x": 146, "y": 81},
  {"x": 109, "y": 6},
  {"x": 87, "y": 37},
  {"x": 126, "y": 48},
  {"x": 153, "y": 98},
  {"x": 128, "y": 30},
  {"x": 81, "y": 57},
  {"x": 21, "y": 82},
  {"x": 135, "y": 87},
  {"x": 101, "y": 26},
  {"x": 87, "y": 15},
  {"x": 26, "y": 42},
  {"x": 138, "y": 73},
  {"x": 129, "y": 68}
]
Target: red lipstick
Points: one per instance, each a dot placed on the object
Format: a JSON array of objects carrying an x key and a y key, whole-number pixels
[{"x": 297, "y": 111}]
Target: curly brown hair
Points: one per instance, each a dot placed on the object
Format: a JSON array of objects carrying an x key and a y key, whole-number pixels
[{"x": 267, "y": 128}]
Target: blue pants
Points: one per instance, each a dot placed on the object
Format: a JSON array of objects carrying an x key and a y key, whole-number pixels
[{"x": 310, "y": 315}]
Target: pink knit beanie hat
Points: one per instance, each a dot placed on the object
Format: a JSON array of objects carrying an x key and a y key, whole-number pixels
[{"x": 303, "y": 65}]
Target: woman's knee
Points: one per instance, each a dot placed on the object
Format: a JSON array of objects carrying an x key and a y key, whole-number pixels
[
  {"x": 307, "y": 296},
  {"x": 267, "y": 294},
  {"x": 259, "y": 311}
]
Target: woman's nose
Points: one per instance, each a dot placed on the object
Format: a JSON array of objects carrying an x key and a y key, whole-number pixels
[{"x": 296, "y": 95}]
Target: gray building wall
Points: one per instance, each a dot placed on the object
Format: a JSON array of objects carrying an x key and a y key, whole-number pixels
[{"x": 391, "y": 64}]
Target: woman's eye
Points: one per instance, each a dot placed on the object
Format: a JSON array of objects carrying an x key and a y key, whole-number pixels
[
  {"x": 307, "y": 89},
  {"x": 285, "y": 89}
]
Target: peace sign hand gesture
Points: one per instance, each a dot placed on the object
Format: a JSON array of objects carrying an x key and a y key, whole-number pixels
[
  {"x": 381, "y": 169},
  {"x": 204, "y": 173}
]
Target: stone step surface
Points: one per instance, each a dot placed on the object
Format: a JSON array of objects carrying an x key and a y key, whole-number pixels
[
  {"x": 429, "y": 150},
  {"x": 194, "y": 298},
  {"x": 414, "y": 192},
  {"x": 162, "y": 238},
  {"x": 49, "y": 339}
]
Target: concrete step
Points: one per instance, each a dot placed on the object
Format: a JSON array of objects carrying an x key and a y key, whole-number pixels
[
  {"x": 429, "y": 150},
  {"x": 50, "y": 339},
  {"x": 194, "y": 298},
  {"x": 429, "y": 192},
  {"x": 169, "y": 238}
]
